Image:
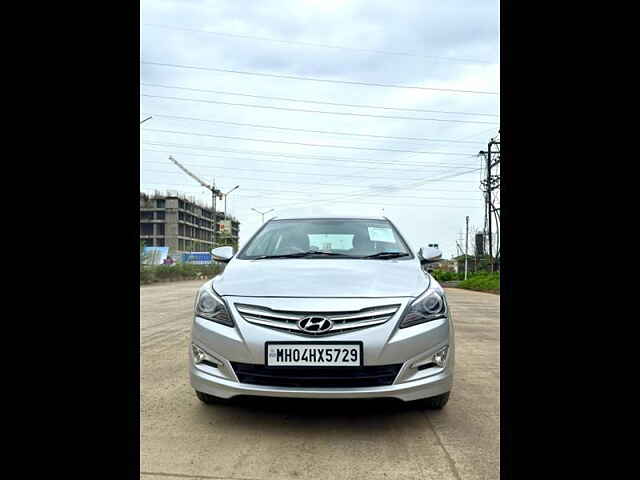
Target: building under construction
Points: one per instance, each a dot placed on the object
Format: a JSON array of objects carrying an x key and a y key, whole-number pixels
[{"x": 183, "y": 224}]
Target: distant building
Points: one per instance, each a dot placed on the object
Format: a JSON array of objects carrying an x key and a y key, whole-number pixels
[
  {"x": 182, "y": 224},
  {"x": 448, "y": 265},
  {"x": 474, "y": 263}
]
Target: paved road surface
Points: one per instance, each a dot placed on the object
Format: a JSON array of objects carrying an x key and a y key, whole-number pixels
[{"x": 277, "y": 439}]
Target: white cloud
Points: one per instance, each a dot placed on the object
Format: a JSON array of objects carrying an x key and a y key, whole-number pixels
[{"x": 427, "y": 29}]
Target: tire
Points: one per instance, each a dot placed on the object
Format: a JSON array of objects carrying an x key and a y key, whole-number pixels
[
  {"x": 210, "y": 399},
  {"x": 437, "y": 402}
]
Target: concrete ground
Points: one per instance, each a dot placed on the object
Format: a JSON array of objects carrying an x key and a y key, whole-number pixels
[{"x": 181, "y": 438}]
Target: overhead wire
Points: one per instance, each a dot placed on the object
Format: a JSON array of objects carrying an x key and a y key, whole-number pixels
[
  {"x": 318, "y": 45},
  {"x": 314, "y": 79},
  {"x": 315, "y": 102},
  {"x": 325, "y": 112},
  {"x": 320, "y": 145}
]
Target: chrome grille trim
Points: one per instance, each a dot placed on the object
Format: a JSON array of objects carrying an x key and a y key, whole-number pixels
[
  {"x": 342, "y": 321},
  {"x": 267, "y": 313}
]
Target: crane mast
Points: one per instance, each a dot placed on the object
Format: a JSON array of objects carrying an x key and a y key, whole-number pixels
[{"x": 214, "y": 193}]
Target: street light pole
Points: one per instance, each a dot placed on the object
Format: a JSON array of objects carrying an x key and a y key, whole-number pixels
[
  {"x": 261, "y": 213},
  {"x": 225, "y": 200},
  {"x": 148, "y": 118}
]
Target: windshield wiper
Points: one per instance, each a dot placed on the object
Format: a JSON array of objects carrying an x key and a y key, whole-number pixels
[
  {"x": 302, "y": 254},
  {"x": 387, "y": 255}
]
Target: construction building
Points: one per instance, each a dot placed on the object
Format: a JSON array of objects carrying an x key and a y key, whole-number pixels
[{"x": 183, "y": 224}]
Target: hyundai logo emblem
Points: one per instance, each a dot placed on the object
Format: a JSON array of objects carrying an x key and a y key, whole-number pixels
[{"x": 315, "y": 324}]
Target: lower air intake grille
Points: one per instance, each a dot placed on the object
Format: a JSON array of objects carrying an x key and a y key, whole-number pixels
[{"x": 322, "y": 377}]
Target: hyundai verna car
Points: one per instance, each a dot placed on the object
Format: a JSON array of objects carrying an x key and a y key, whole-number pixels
[{"x": 323, "y": 308}]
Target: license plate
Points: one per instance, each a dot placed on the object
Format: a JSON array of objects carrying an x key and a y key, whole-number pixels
[{"x": 314, "y": 354}]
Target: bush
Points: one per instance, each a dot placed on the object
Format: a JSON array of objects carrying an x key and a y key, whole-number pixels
[
  {"x": 146, "y": 275},
  {"x": 442, "y": 276},
  {"x": 179, "y": 271},
  {"x": 482, "y": 281}
]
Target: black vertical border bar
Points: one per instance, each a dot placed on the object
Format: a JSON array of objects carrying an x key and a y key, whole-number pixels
[
  {"x": 133, "y": 328},
  {"x": 506, "y": 258}
]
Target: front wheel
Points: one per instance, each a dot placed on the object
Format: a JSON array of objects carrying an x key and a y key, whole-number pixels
[
  {"x": 437, "y": 402},
  {"x": 210, "y": 399}
]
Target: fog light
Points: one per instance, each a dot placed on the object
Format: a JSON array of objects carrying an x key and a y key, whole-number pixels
[
  {"x": 440, "y": 357},
  {"x": 198, "y": 354}
]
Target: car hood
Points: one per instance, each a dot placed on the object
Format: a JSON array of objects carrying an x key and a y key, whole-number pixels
[{"x": 321, "y": 277}]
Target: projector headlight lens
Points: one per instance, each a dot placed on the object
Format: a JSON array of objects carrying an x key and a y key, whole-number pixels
[
  {"x": 431, "y": 305},
  {"x": 211, "y": 306}
]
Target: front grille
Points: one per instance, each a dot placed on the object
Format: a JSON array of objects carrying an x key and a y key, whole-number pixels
[
  {"x": 318, "y": 377},
  {"x": 342, "y": 321}
]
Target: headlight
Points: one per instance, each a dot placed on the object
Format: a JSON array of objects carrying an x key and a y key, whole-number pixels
[
  {"x": 210, "y": 306},
  {"x": 429, "y": 306}
]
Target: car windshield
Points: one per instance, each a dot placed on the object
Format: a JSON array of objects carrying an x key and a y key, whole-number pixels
[{"x": 327, "y": 238}]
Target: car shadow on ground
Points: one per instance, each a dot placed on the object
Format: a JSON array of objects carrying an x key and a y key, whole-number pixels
[{"x": 322, "y": 408}]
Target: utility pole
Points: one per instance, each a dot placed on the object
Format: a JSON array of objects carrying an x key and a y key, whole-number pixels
[
  {"x": 489, "y": 208},
  {"x": 489, "y": 202},
  {"x": 466, "y": 251}
]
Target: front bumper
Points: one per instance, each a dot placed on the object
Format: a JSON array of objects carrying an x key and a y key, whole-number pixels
[
  {"x": 382, "y": 345},
  {"x": 427, "y": 387}
]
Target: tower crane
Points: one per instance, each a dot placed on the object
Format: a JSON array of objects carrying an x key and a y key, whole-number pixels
[{"x": 212, "y": 188}]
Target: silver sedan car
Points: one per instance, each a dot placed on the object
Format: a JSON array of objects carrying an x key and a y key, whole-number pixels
[{"x": 323, "y": 308}]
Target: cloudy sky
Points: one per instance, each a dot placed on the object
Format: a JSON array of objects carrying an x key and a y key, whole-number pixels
[{"x": 318, "y": 146}]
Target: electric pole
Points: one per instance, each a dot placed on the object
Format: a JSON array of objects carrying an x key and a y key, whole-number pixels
[
  {"x": 489, "y": 202},
  {"x": 466, "y": 250},
  {"x": 489, "y": 208}
]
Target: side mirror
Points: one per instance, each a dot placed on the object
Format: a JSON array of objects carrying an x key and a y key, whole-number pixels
[
  {"x": 222, "y": 254},
  {"x": 429, "y": 255}
]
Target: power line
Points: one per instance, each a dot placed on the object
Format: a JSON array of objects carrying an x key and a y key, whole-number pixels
[
  {"x": 352, "y": 195},
  {"x": 299, "y": 156},
  {"x": 324, "y": 132},
  {"x": 279, "y": 172},
  {"x": 369, "y": 203},
  {"x": 323, "y": 184},
  {"x": 303, "y": 110},
  {"x": 306, "y": 193},
  {"x": 319, "y": 45},
  {"x": 282, "y": 206},
  {"x": 349, "y": 147},
  {"x": 313, "y": 79},
  {"x": 225, "y": 157},
  {"x": 409, "y": 185},
  {"x": 317, "y": 102},
  {"x": 280, "y": 198}
]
